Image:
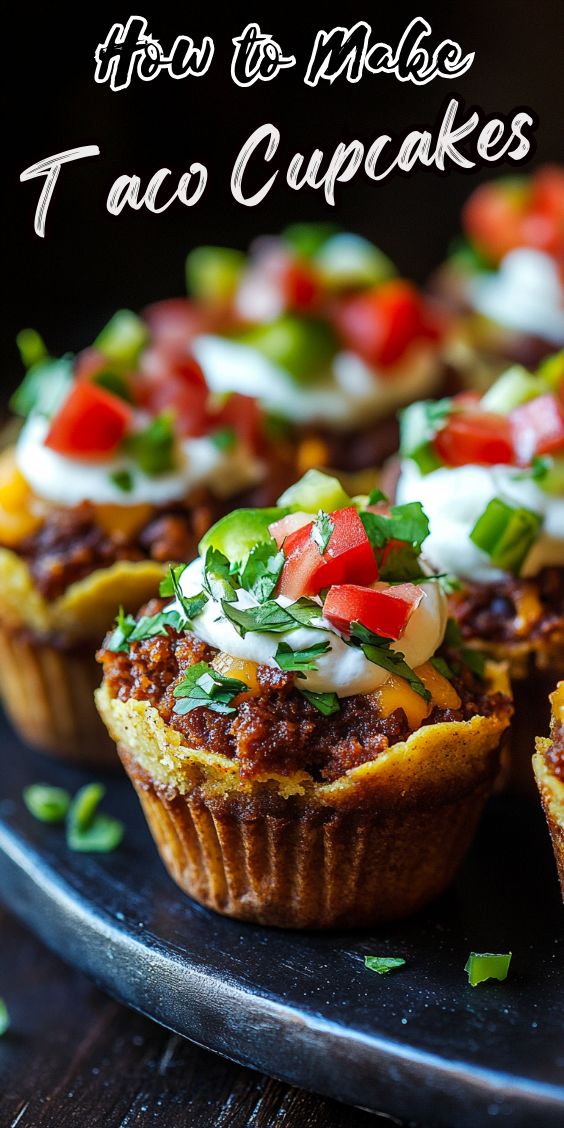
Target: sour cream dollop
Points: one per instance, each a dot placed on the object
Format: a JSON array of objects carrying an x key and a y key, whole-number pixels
[
  {"x": 343, "y": 669},
  {"x": 526, "y": 295},
  {"x": 349, "y": 394},
  {"x": 69, "y": 481},
  {"x": 455, "y": 497}
]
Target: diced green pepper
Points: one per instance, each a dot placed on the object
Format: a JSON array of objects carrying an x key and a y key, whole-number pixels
[
  {"x": 553, "y": 480},
  {"x": 313, "y": 492},
  {"x": 31, "y": 346},
  {"x": 307, "y": 239},
  {"x": 122, "y": 339},
  {"x": 551, "y": 371},
  {"x": 349, "y": 262},
  {"x": 303, "y": 346},
  {"x": 481, "y": 966},
  {"x": 213, "y": 273},
  {"x": 514, "y": 387},
  {"x": 43, "y": 387},
  {"x": 506, "y": 534},
  {"x": 238, "y": 532}
]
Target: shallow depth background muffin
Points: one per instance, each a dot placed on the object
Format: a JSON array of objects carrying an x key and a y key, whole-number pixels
[
  {"x": 505, "y": 276},
  {"x": 490, "y": 474},
  {"x": 309, "y": 746},
  {"x": 317, "y": 326},
  {"x": 119, "y": 468},
  {"x": 548, "y": 765}
]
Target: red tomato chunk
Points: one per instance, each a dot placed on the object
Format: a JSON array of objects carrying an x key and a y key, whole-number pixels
[
  {"x": 348, "y": 556},
  {"x": 91, "y": 423},
  {"x": 386, "y": 611},
  {"x": 538, "y": 427},
  {"x": 479, "y": 439}
]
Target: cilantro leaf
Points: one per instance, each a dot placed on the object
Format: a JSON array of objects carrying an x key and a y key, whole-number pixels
[
  {"x": 224, "y": 439},
  {"x": 204, "y": 688},
  {"x": 401, "y": 564},
  {"x": 153, "y": 448},
  {"x": 378, "y": 650},
  {"x": 268, "y": 616},
  {"x": 306, "y": 611},
  {"x": 407, "y": 523},
  {"x": 300, "y": 660},
  {"x": 326, "y": 703},
  {"x": 474, "y": 659},
  {"x": 443, "y": 668},
  {"x": 537, "y": 471},
  {"x": 383, "y": 964},
  {"x": 218, "y": 576},
  {"x": 262, "y": 569},
  {"x": 321, "y": 530},
  {"x": 375, "y": 496},
  {"x": 123, "y": 479},
  {"x": 191, "y": 605},
  {"x": 128, "y": 629}
]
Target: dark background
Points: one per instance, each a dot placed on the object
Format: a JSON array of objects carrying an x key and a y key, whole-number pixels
[{"x": 90, "y": 263}]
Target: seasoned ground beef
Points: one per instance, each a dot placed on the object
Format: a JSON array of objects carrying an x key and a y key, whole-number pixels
[
  {"x": 555, "y": 755},
  {"x": 491, "y": 611},
  {"x": 70, "y": 543},
  {"x": 277, "y": 729}
]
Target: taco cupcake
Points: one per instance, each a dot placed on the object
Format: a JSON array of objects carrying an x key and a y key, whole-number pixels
[
  {"x": 318, "y": 327},
  {"x": 505, "y": 276},
  {"x": 489, "y": 471},
  {"x": 309, "y": 744},
  {"x": 548, "y": 766},
  {"x": 115, "y": 473}
]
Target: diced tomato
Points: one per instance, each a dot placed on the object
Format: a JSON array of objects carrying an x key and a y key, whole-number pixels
[
  {"x": 492, "y": 219},
  {"x": 91, "y": 423},
  {"x": 348, "y": 556},
  {"x": 300, "y": 287},
  {"x": 379, "y": 324},
  {"x": 244, "y": 416},
  {"x": 174, "y": 381},
  {"x": 502, "y": 216},
  {"x": 385, "y": 611},
  {"x": 538, "y": 427},
  {"x": 286, "y": 525},
  {"x": 175, "y": 322},
  {"x": 479, "y": 438}
]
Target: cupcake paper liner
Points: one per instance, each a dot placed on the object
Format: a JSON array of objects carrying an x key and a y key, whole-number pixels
[
  {"x": 48, "y": 694},
  {"x": 375, "y": 845}
]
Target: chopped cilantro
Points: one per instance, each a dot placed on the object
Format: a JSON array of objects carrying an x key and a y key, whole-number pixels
[
  {"x": 375, "y": 496},
  {"x": 218, "y": 576},
  {"x": 378, "y": 650},
  {"x": 443, "y": 668},
  {"x": 191, "y": 604},
  {"x": 123, "y": 479},
  {"x": 153, "y": 448},
  {"x": 224, "y": 439},
  {"x": 307, "y": 612},
  {"x": 538, "y": 469},
  {"x": 128, "y": 629},
  {"x": 300, "y": 660},
  {"x": 326, "y": 703},
  {"x": 408, "y": 523},
  {"x": 474, "y": 659},
  {"x": 383, "y": 964},
  {"x": 262, "y": 569},
  {"x": 269, "y": 616},
  {"x": 204, "y": 688},
  {"x": 115, "y": 383},
  {"x": 321, "y": 530}
]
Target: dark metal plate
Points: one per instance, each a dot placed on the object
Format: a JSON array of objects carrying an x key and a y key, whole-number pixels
[{"x": 418, "y": 1044}]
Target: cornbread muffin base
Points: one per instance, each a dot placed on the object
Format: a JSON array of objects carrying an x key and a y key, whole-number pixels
[
  {"x": 48, "y": 671},
  {"x": 48, "y": 694},
  {"x": 374, "y": 845}
]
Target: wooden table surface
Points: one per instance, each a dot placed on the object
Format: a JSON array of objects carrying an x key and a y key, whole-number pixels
[{"x": 74, "y": 1058}]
